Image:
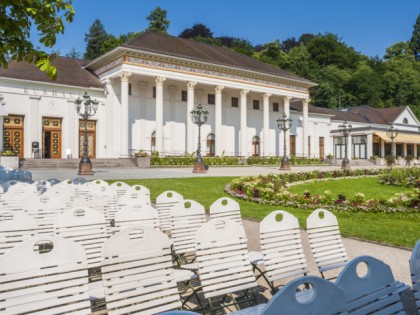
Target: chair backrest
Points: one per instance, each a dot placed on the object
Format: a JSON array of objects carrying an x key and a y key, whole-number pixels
[
  {"x": 120, "y": 187},
  {"x": 325, "y": 240},
  {"x": 86, "y": 227},
  {"x": 22, "y": 188},
  {"x": 44, "y": 209},
  {"x": 222, "y": 257},
  {"x": 226, "y": 207},
  {"x": 415, "y": 272},
  {"x": 7, "y": 184},
  {"x": 42, "y": 186},
  {"x": 15, "y": 200},
  {"x": 93, "y": 187},
  {"x": 15, "y": 227},
  {"x": 44, "y": 276},
  {"x": 164, "y": 203},
  {"x": 137, "y": 272},
  {"x": 281, "y": 246},
  {"x": 135, "y": 194},
  {"x": 368, "y": 286},
  {"x": 323, "y": 298},
  {"x": 78, "y": 181},
  {"x": 136, "y": 214},
  {"x": 109, "y": 195},
  {"x": 53, "y": 181},
  {"x": 91, "y": 201},
  {"x": 186, "y": 219},
  {"x": 65, "y": 192}
]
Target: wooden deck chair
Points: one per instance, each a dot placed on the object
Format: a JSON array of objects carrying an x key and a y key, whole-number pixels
[
  {"x": 121, "y": 188},
  {"x": 93, "y": 187},
  {"x": 281, "y": 248},
  {"x": 15, "y": 227},
  {"x": 90, "y": 201},
  {"x": 325, "y": 241},
  {"x": 23, "y": 188},
  {"x": 186, "y": 219},
  {"x": 137, "y": 272},
  {"x": 109, "y": 195},
  {"x": 44, "y": 276},
  {"x": 15, "y": 200},
  {"x": 86, "y": 227},
  {"x": 65, "y": 192},
  {"x": 370, "y": 288},
  {"x": 415, "y": 272},
  {"x": 44, "y": 209},
  {"x": 226, "y": 207},
  {"x": 135, "y": 194},
  {"x": 223, "y": 263},
  {"x": 164, "y": 203},
  {"x": 136, "y": 214},
  {"x": 324, "y": 298}
]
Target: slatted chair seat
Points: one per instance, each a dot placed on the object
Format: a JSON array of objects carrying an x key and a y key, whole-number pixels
[
  {"x": 121, "y": 188},
  {"x": 325, "y": 241},
  {"x": 136, "y": 214},
  {"x": 15, "y": 227},
  {"x": 374, "y": 292},
  {"x": 137, "y": 272},
  {"x": 222, "y": 258},
  {"x": 415, "y": 272},
  {"x": 164, "y": 203},
  {"x": 226, "y": 207},
  {"x": 44, "y": 276},
  {"x": 84, "y": 226}
]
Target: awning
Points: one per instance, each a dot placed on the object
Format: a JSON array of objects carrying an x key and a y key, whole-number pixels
[{"x": 401, "y": 137}]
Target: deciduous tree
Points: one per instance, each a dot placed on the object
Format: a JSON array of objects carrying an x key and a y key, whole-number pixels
[{"x": 197, "y": 30}]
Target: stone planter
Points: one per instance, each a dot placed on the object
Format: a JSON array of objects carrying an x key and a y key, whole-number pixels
[
  {"x": 143, "y": 161},
  {"x": 329, "y": 161},
  {"x": 378, "y": 161},
  {"x": 9, "y": 161}
]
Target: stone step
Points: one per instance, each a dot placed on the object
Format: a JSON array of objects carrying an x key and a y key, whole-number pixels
[{"x": 74, "y": 163}]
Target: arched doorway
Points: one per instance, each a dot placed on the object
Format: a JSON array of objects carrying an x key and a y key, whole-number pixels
[
  {"x": 211, "y": 140},
  {"x": 256, "y": 146}
]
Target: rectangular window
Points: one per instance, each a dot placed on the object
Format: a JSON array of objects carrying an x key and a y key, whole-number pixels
[
  {"x": 235, "y": 102},
  {"x": 256, "y": 104},
  {"x": 154, "y": 92},
  {"x": 275, "y": 107},
  {"x": 211, "y": 99},
  {"x": 184, "y": 96},
  {"x": 129, "y": 88}
]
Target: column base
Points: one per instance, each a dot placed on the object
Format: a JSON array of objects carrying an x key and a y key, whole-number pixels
[
  {"x": 199, "y": 167},
  {"x": 85, "y": 168},
  {"x": 285, "y": 165}
]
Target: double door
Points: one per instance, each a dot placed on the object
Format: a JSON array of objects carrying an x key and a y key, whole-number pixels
[
  {"x": 13, "y": 134},
  {"x": 91, "y": 138},
  {"x": 51, "y": 138}
]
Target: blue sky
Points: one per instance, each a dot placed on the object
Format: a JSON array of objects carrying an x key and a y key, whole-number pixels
[{"x": 368, "y": 25}]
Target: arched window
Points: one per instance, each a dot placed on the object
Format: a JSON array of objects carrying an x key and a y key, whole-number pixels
[
  {"x": 210, "y": 144},
  {"x": 153, "y": 142},
  {"x": 405, "y": 121},
  {"x": 256, "y": 146}
]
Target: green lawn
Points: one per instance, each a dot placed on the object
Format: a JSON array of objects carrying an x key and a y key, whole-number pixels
[{"x": 401, "y": 229}]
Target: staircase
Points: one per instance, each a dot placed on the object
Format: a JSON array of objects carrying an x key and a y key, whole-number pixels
[
  {"x": 360, "y": 162},
  {"x": 29, "y": 164}
]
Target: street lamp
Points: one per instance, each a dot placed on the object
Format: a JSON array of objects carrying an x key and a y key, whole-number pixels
[
  {"x": 284, "y": 124},
  {"x": 199, "y": 117},
  {"x": 392, "y": 133},
  {"x": 86, "y": 108},
  {"x": 345, "y": 130}
]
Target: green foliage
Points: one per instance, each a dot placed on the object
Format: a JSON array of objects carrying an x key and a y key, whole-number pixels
[
  {"x": 415, "y": 39},
  {"x": 402, "y": 177},
  {"x": 157, "y": 21},
  {"x": 73, "y": 53},
  {"x": 197, "y": 30},
  {"x": 16, "y": 20},
  {"x": 390, "y": 161},
  {"x": 94, "y": 40},
  {"x": 188, "y": 160}
]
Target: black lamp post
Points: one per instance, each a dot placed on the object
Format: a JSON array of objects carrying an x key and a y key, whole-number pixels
[
  {"x": 199, "y": 117},
  {"x": 345, "y": 130},
  {"x": 284, "y": 124},
  {"x": 392, "y": 133},
  {"x": 86, "y": 108}
]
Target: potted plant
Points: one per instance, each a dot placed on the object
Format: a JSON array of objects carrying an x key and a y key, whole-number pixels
[
  {"x": 390, "y": 161},
  {"x": 408, "y": 159},
  {"x": 9, "y": 159},
  {"x": 329, "y": 159},
  {"x": 376, "y": 160},
  {"x": 142, "y": 159}
]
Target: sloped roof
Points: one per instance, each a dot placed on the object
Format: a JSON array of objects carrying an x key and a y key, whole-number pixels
[
  {"x": 298, "y": 106},
  {"x": 367, "y": 114},
  {"x": 70, "y": 71},
  {"x": 186, "y": 48}
]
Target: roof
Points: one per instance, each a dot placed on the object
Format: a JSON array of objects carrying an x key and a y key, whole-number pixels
[
  {"x": 69, "y": 72},
  {"x": 187, "y": 48},
  {"x": 298, "y": 106},
  {"x": 367, "y": 114}
]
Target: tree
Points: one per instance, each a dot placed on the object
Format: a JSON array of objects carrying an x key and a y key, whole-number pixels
[
  {"x": 415, "y": 39},
  {"x": 16, "y": 20},
  {"x": 157, "y": 21},
  {"x": 94, "y": 40},
  {"x": 197, "y": 30},
  {"x": 73, "y": 53},
  {"x": 289, "y": 43},
  {"x": 112, "y": 42}
]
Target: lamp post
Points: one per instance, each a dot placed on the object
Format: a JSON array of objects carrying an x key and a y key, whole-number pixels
[
  {"x": 345, "y": 130},
  {"x": 284, "y": 124},
  {"x": 392, "y": 133},
  {"x": 86, "y": 108},
  {"x": 199, "y": 117}
]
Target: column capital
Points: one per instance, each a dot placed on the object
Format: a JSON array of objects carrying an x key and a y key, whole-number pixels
[
  {"x": 159, "y": 81},
  {"x": 305, "y": 101},
  {"x": 218, "y": 89},
  {"x": 191, "y": 85},
  {"x": 244, "y": 93},
  {"x": 287, "y": 99},
  {"x": 266, "y": 96},
  {"x": 125, "y": 76}
]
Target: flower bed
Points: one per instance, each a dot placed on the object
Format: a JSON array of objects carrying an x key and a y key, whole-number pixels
[
  {"x": 273, "y": 189},
  {"x": 405, "y": 177},
  {"x": 188, "y": 160},
  {"x": 275, "y": 160}
]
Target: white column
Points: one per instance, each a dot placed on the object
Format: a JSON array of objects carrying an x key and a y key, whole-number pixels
[
  {"x": 415, "y": 151},
  {"x": 305, "y": 127},
  {"x": 110, "y": 129},
  {"x": 171, "y": 138},
  {"x": 383, "y": 153},
  {"x": 190, "y": 107},
  {"x": 218, "y": 120},
  {"x": 405, "y": 149},
  {"x": 286, "y": 109},
  {"x": 266, "y": 123},
  {"x": 159, "y": 114},
  {"x": 124, "y": 114},
  {"x": 349, "y": 147},
  {"x": 244, "y": 150},
  {"x": 394, "y": 149},
  {"x": 369, "y": 146}
]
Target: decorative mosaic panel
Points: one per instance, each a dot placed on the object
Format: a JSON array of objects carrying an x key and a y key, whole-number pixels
[
  {"x": 51, "y": 123},
  {"x": 91, "y": 125},
  {"x": 13, "y": 121}
]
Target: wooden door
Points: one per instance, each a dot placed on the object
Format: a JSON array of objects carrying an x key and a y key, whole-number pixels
[
  {"x": 292, "y": 145},
  {"x": 321, "y": 148},
  {"x": 51, "y": 138},
  {"x": 91, "y": 138},
  {"x": 13, "y": 132}
]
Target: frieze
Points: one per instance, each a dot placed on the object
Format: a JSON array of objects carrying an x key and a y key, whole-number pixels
[
  {"x": 108, "y": 66},
  {"x": 51, "y": 93}
]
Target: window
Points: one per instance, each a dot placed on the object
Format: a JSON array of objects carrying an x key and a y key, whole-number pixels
[
  {"x": 275, "y": 107},
  {"x": 339, "y": 147},
  {"x": 256, "y": 104},
  {"x": 184, "y": 96},
  {"x": 256, "y": 146},
  {"x": 211, "y": 99},
  {"x": 405, "y": 121},
  {"x": 154, "y": 92},
  {"x": 359, "y": 147},
  {"x": 235, "y": 102},
  {"x": 153, "y": 142},
  {"x": 211, "y": 144},
  {"x": 129, "y": 88}
]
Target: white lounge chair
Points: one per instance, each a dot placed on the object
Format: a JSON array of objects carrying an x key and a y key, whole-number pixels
[
  {"x": 415, "y": 272},
  {"x": 136, "y": 214},
  {"x": 226, "y": 207},
  {"x": 120, "y": 187},
  {"x": 164, "y": 203}
]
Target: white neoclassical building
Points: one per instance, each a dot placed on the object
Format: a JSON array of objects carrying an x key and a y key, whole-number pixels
[{"x": 146, "y": 89}]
